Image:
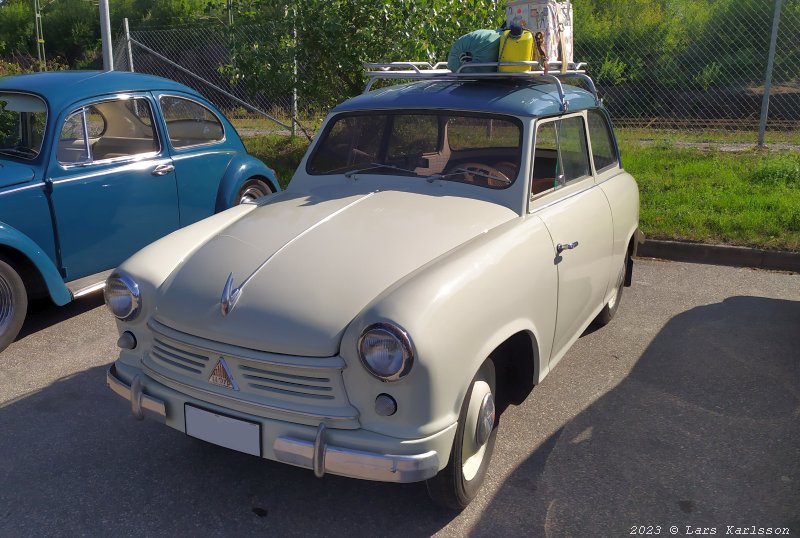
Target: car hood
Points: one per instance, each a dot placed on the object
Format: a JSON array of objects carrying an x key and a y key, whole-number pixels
[
  {"x": 13, "y": 174},
  {"x": 306, "y": 265}
]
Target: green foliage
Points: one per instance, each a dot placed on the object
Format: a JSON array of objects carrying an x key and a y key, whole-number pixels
[{"x": 335, "y": 37}]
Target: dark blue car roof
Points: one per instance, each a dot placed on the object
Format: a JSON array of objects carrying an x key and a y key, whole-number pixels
[
  {"x": 63, "y": 87},
  {"x": 523, "y": 98}
]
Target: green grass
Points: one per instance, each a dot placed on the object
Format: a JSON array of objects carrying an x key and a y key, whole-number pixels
[
  {"x": 742, "y": 198},
  {"x": 748, "y": 198},
  {"x": 281, "y": 153}
]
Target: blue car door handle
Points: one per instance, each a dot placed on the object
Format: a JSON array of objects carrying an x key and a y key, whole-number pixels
[{"x": 163, "y": 169}]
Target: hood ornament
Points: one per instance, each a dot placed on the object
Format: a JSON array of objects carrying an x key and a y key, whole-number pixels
[{"x": 229, "y": 296}]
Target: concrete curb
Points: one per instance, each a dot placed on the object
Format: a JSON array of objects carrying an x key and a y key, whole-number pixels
[{"x": 720, "y": 255}]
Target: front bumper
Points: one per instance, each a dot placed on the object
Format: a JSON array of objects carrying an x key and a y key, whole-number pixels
[{"x": 319, "y": 455}]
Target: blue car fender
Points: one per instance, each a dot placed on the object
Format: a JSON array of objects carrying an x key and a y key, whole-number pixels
[
  {"x": 13, "y": 238},
  {"x": 240, "y": 169}
]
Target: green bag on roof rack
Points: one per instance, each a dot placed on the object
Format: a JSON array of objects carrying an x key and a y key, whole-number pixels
[{"x": 475, "y": 47}]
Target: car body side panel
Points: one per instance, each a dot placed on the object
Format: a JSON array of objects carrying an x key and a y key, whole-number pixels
[
  {"x": 457, "y": 310},
  {"x": 623, "y": 197},
  {"x": 18, "y": 241},
  {"x": 583, "y": 272}
]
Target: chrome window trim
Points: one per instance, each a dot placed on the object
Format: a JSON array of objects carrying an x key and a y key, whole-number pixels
[
  {"x": 46, "y": 120},
  {"x": 23, "y": 188},
  {"x": 94, "y": 173},
  {"x": 132, "y": 158},
  {"x": 169, "y": 140},
  {"x": 571, "y": 183}
]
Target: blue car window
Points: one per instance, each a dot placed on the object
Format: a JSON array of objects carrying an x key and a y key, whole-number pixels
[
  {"x": 118, "y": 128},
  {"x": 72, "y": 146},
  {"x": 22, "y": 120},
  {"x": 189, "y": 123}
]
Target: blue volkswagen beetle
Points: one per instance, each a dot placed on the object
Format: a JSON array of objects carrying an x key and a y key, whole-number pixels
[{"x": 96, "y": 165}]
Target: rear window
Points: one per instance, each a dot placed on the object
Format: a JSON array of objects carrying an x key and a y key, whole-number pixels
[
  {"x": 480, "y": 149},
  {"x": 22, "y": 122}
]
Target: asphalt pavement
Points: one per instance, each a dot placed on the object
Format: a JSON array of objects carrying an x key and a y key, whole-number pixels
[{"x": 682, "y": 414}]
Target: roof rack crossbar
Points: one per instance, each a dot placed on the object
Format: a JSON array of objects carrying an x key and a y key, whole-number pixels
[{"x": 490, "y": 70}]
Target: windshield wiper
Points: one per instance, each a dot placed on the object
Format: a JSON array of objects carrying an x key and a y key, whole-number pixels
[
  {"x": 376, "y": 166},
  {"x": 20, "y": 150},
  {"x": 462, "y": 171}
]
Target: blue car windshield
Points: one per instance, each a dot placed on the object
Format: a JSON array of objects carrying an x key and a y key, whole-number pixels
[
  {"x": 22, "y": 123},
  {"x": 480, "y": 149}
]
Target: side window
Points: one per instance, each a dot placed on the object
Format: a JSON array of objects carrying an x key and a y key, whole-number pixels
[
  {"x": 121, "y": 128},
  {"x": 72, "y": 147},
  {"x": 603, "y": 151},
  {"x": 574, "y": 154},
  {"x": 190, "y": 123},
  {"x": 560, "y": 156}
]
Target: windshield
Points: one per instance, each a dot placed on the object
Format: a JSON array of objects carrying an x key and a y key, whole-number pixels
[
  {"x": 22, "y": 121},
  {"x": 480, "y": 149}
]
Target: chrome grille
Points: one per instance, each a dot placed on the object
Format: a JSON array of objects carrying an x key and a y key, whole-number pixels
[
  {"x": 269, "y": 382},
  {"x": 178, "y": 358},
  {"x": 284, "y": 383}
]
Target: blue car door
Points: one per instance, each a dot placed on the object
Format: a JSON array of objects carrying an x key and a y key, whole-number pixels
[
  {"x": 201, "y": 151},
  {"x": 113, "y": 183}
]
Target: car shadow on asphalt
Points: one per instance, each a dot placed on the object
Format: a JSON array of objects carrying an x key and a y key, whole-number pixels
[
  {"x": 43, "y": 313},
  {"x": 703, "y": 431}
]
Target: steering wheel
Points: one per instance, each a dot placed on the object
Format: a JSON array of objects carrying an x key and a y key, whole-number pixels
[{"x": 475, "y": 172}]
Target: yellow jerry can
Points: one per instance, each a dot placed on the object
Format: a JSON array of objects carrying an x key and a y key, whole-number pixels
[{"x": 516, "y": 45}]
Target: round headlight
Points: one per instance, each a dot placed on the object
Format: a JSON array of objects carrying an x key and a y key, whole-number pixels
[
  {"x": 122, "y": 296},
  {"x": 385, "y": 351}
]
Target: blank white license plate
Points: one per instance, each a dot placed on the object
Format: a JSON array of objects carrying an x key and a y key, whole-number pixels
[{"x": 223, "y": 431}]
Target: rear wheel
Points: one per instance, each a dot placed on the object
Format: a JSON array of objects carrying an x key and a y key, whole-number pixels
[
  {"x": 13, "y": 304},
  {"x": 253, "y": 189},
  {"x": 458, "y": 483},
  {"x": 610, "y": 309}
]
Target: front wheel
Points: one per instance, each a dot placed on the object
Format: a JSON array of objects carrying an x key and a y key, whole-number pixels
[
  {"x": 458, "y": 483},
  {"x": 253, "y": 189},
  {"x": 13, "y": 304}
]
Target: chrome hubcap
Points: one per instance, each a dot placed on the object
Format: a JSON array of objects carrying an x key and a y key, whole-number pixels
[
  {"x": 251, "y": 193},
  {"x": 6, "y": 304},
  {"x": 485, "y": 420},
  {"x": 473, "y": 445}
]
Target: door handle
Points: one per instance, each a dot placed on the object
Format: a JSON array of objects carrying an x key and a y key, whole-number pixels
[
  {"x": 561, "y": 247},
  {"x": 163, "y": 169}
]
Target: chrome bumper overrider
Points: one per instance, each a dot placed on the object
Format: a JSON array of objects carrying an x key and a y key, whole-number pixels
[
  {"x": 317, "y": 455},
  {"x": 141, "y": 403},
  {"x": 323, "y": 458}
]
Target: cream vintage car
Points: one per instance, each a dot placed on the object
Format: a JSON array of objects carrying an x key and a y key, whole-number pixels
[{"x": 440, "y": 247}]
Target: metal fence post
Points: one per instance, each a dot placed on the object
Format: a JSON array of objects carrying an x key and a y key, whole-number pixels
[
  {"x": 105, "y": 35},
  {"x": 762, "y": 128},
  {"x": 294, "y": 71},
  {"x": 128, "y": 44}
]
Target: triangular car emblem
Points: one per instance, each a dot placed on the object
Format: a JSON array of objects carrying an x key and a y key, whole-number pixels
[{"x": 221, "y": 375}]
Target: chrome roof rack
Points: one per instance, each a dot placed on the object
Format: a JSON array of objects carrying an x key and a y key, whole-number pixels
[{"x": 439, "y": 71}]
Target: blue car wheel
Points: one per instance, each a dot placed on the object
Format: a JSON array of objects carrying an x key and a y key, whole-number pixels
[
  {"x": 13, "y": 304},
  {"x": 252, "y": 189}
]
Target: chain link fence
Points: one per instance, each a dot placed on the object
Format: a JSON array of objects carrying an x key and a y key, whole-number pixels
[
  {"x": 710, "y": 81},
  {"x": 204, "y": 58}
]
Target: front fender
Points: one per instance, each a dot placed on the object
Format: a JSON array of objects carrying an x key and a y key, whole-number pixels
[
  {"x": 456, "y": 311},
  {"x": 13, "y": 238},
  {"x": 240, "y": 169}
]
